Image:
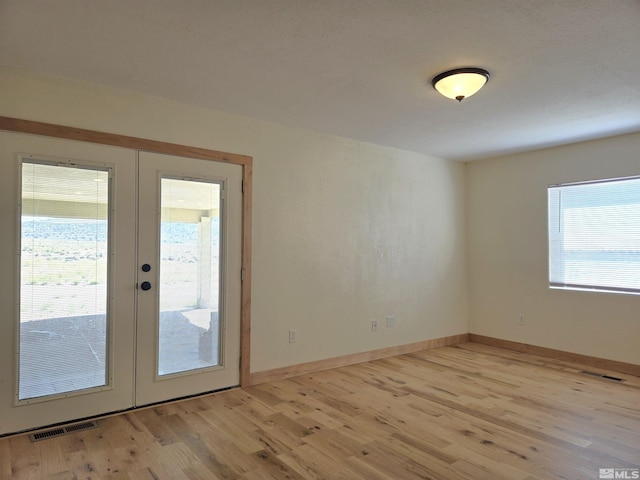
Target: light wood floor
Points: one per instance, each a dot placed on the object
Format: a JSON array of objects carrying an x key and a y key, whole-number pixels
[{"x": 463, "y": 412}]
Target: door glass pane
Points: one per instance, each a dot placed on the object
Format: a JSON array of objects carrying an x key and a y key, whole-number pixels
[
  {"x": 189, "y": 327},
  {"x": 63, "y": 279}
]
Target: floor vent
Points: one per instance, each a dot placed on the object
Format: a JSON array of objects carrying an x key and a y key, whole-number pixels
[
  {"x": 600, "y": 375},
  {"x": 56, "y": 432}
]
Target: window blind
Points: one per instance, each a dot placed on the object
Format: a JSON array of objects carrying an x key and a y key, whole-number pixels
[
  {"x": 63, "y": 278},
  {"x": 594, "y": 235}
]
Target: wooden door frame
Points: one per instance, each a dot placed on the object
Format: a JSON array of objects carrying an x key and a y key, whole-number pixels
[{"x": 10, "y": 124}]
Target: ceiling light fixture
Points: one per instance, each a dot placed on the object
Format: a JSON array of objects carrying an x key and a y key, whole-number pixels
[{"x": 460, "y": 83}]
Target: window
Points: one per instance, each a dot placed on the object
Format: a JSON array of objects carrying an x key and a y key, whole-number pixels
[
  {"x": 63, "y": 278},
  {"x": 594, "y": 235}
]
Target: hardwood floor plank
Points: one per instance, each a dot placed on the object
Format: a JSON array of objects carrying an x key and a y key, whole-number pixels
[
  {"x": 335, "y": 444},
  {"x": 270, "y": 443},
  {"x": 25, "y": 458},
  {"x": 52, "y": 459},
  {"x": 5, "y": 458},
  {"x": 200, "y": 448},
  {"x": 305, "y": 465},
  {"x": 362, "y": 468},
  {"x": 232, "y": 426},
  {"x": 463, "y": 412}
]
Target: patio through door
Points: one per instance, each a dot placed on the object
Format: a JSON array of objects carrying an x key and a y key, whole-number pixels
[{"x": 125, "y": 286}]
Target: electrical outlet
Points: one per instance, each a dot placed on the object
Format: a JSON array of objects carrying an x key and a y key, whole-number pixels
[
  {"x": 293, "y": 336},
  {"x": 391, "y": 322},
  {"x": 521, "y": 319},
  {"x": 374, "y": 325}
]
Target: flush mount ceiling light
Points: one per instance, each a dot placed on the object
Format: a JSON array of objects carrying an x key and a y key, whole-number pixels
[{"x": 460, "y": 83}]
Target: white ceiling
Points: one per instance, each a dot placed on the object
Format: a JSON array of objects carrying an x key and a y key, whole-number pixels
[{"x": 562, "y": 70}]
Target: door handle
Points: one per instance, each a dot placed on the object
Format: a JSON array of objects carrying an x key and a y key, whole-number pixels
[{"x": 145, "y": 286}]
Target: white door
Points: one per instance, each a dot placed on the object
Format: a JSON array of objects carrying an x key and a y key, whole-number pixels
[
  {"x": 78, "y": 337},
  {"x": 189, "y": 266},
  {"x": 67, "y": 231}
]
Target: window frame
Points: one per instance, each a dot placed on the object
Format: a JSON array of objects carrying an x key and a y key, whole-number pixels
[{"x": 554, "y": 214}]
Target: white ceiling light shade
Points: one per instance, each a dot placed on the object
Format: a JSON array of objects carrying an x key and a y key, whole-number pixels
[{"x": 460, "y": 83}]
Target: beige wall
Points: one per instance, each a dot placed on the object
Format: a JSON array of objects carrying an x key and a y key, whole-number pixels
[
  {"x": 507, "y": 253},
  {"x": 343, "y": 231}
]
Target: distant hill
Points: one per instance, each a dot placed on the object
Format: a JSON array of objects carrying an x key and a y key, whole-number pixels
[{"x": 96, "y": 231}]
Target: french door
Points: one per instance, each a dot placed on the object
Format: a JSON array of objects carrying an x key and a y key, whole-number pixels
[
  {"x": 189, "y": 237},
  {"x": 120, "y": 284}
]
